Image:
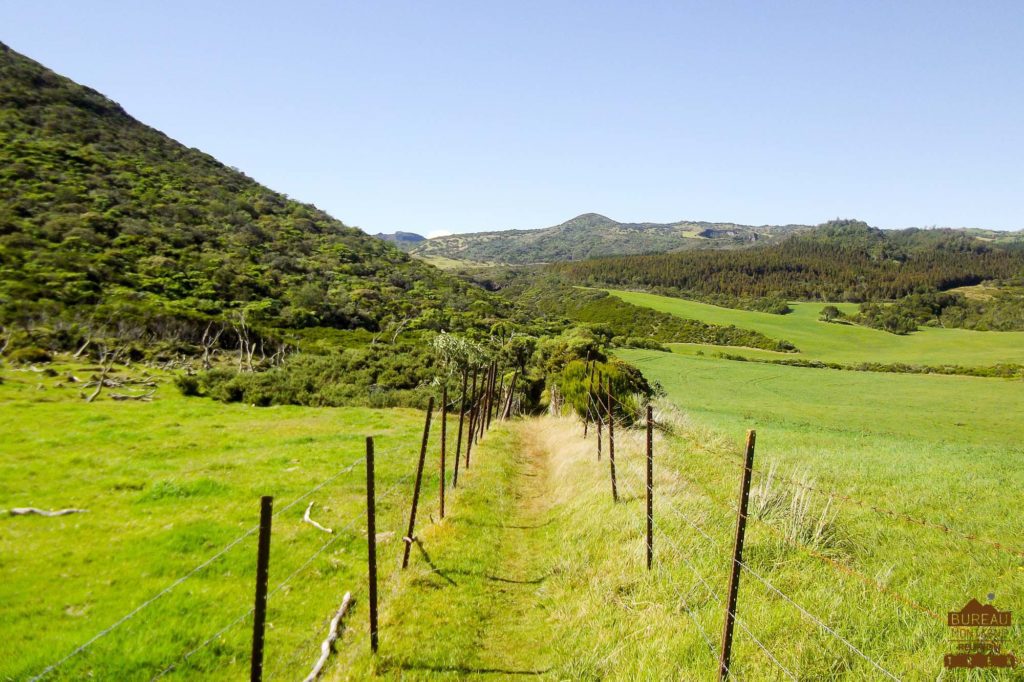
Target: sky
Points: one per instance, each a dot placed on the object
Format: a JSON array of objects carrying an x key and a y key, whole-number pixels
[{"x": 439, "y": 117}]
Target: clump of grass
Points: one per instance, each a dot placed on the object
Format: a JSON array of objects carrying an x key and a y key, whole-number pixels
[
  {"x": 791, "y": 509},
  {"x": 174, "y": 490}
]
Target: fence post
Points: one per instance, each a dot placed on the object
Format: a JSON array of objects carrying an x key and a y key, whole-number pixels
[
  {"x": 371, "y": 541},
  {"x": 472, "y": 418},
  {"x": 650, "y": 487},
  {"x": 600, "y": 425},
  {"x": 497, "y": 396},
  {"x": 462, "y": 418},
  {"x": 611, "y": 439},
  {"x": 492, "y": 379},
  {"x": 737, "y": 557},
  {"x": 259, "y": 618},
  {"x": 444, "y": 438},
  {"x": 507, "y": 413},
  {"x": 590, "y": 390},
  {"x": 416, "y": 490}
]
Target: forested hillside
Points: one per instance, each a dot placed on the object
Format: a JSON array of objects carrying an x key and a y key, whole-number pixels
[
  {"x": 107, "y": 223},
  {"x": 843, "y": 260},
  {"x": 591, "y": 235}
]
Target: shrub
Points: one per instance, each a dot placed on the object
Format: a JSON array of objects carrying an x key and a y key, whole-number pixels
[
  {"x": 187, "y": 384},
  {"x": 28, "y": 355}
]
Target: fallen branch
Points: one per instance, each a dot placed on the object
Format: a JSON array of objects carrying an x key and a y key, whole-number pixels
[
  {"x": 145, "y": 397},
  {"x": 26, "y": 511},
  {"x": 305, "y": 517},
  {"x": 332, "y": 636}
]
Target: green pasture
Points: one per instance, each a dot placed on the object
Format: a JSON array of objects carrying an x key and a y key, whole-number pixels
[
  {"x": 946, "y": 450},
  {"x": 167, "y": 484},
  {"x": 844, "y": 343}
]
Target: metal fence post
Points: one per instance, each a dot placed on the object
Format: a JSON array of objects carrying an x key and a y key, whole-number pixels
[
  {"x": 650, "y": 487},
  {"x": 737, "y": 557},
  {"x": 462, "y": 419},
  {"x": 259, "y": 618},
  {"x": 416, "y": 490},
  {"x": 444, "y": 438},
  {"x": 611, "y": 438},
  {"x": 371, "y": 541}
]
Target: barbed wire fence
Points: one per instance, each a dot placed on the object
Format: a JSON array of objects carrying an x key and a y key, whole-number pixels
[{"x": 600, "y": 411}]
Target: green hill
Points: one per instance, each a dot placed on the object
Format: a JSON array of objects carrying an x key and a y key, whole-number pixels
[
  {"x": 843, "y": 260},
  {"x": 105, "y": 222},
  {"x": 591, "y": 235}
]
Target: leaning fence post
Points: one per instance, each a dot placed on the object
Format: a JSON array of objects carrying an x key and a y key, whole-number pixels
[
  {"x": 737, "y": 557},
  {"x": 416, "y": 490},
  {"x": 650, "y": 487},
  {"x": 259, "y": 618},
  {"x": 444, "y": 437},
  {"x": 371, "y": 541},
  {"x": 611, "y": 440},
  {"x": 462, "y": 418}
]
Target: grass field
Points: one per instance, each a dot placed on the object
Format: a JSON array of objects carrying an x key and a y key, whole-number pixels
[
  {"x": 844, "y": 343},
  {"x": 167, "y": 484},
  {"x": 535, "y": 572},
  {"x": 947, "y": 450}
]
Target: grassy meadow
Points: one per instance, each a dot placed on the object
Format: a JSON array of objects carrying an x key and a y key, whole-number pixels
[
  {"x": 167, "y": 484},
  {"x": 536, "y": 571},
  {"x": 843, "y": 343}
]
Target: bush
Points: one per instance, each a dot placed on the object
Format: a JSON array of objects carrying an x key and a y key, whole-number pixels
[
  {"x": 29, "y": 355},
  {"x": 187, "y": 384}
]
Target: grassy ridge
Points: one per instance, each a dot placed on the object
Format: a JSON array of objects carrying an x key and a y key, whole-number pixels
[{"x": 849, "y": 343}]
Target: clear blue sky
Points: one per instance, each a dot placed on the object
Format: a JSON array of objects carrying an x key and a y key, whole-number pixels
[{"x": 460, "y": 116}]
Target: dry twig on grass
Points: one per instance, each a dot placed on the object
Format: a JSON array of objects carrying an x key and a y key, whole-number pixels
[
  {"x": 332, "y": 636},
  {"x": 27, "y": 511},
  {"x": 305, "y": 517}
]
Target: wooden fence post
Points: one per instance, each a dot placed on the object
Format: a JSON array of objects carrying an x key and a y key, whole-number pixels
[
  {"x": 462, "y": 417},
  {"x": 611, "y": 439},
  {"x": 737, "y": 557},
  {"x": 444, "y": 438},
  {"x": 416, "y": 490},
  {"x": 259, "y": 618},
  {"x": 371, "y": 541},
  {"x": 650, "y": 487}
]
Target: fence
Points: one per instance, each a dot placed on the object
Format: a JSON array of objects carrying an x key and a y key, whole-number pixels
[
  {"x": 600, "y": 414},
  {"x": 478, "y": 407}
]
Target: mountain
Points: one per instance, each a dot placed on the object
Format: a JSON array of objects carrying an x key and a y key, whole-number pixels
[
  {"x": 403, "y": 240},
  {"x": 107, "y": 223},
  {"x": 591, "y": 235}
]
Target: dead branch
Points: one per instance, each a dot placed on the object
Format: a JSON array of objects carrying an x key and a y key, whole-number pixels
[
  {"x": 78, "y": 353},
  {"x": 332, "y": 636},
  {"x": 208, "y": 342},
  {"x": 107, "y": 359},
  {"x": 27, "y": 511},
  {"x": 145, "y": 397},
  {"x": 305, "y": 517}
]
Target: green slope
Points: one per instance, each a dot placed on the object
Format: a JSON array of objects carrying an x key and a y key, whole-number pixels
[
  {"x": 849, "y": 344},
  {"x": 104, "y": 219}
]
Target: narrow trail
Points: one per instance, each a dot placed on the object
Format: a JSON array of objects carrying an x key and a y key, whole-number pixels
[
  {"x": 515, "y": 640},
  {"x": 473, "y": 603}
]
